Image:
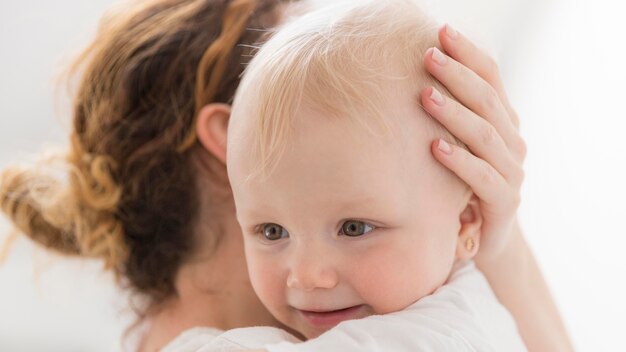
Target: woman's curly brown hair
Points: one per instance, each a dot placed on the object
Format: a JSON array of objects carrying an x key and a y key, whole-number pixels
[{"x": 131, "y": 197}]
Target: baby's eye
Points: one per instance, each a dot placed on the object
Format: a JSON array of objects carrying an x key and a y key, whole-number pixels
[
  {"x": 273, "y": 232},
  {"x": 355, "y": 228}
]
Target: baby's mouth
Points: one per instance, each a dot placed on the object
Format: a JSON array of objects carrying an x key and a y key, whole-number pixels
[{"x": 330, "y": 318}]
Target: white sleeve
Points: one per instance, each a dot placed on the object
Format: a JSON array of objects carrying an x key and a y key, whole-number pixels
[
  {"x": 408, "y": 330},
  {"x": 207, "y": 340},
  {"x": 400, "y": 331},
  {"x": 191, "y": 340}
]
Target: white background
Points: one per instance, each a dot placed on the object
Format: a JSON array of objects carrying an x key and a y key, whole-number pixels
[{"x": 564, "y": 64}]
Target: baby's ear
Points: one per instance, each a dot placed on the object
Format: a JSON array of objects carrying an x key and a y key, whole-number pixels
[
  {"x": 471, "y": 220},
  {"x": 212, "y": 128}
]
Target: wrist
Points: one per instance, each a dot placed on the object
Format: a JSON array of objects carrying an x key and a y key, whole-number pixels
[
  {"x": 513, "y": 258},
  {"x": 512, "y": 247}
]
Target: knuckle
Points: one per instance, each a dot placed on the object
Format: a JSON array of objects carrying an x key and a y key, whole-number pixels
[
  {"x": 488, "y": 175},
  {"x": 517, "y": 177},
  {"x": 488, "y": 134},
  {"x": 490, "y": 100},
  {"x": 521, "y": 149},
  {"x": 514, "y": 119},
  {"x": 493, "y": 69}
]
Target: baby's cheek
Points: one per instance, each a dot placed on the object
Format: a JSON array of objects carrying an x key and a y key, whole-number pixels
[
  {"x": 392, "y": 280},
  {"x": 266, "y": 281}
]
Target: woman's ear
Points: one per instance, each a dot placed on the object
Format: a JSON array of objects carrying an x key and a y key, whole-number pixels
[
  {"x": 471, "y": 220},
  {"x": 212, "y": 128}
]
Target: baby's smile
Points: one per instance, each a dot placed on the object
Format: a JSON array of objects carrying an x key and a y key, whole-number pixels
[{"x": 326, "y": 319}]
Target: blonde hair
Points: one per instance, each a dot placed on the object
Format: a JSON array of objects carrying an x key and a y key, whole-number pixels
[{"x": 339, "y": 59}]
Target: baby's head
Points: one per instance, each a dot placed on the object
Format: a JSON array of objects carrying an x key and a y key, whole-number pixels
[{"x": 345, "y": 213}]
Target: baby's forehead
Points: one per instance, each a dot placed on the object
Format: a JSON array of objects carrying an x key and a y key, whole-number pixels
[
  {"x": 394, "y": 118},
  {"x": 394, "y": 113},
  {"x": 400, "y": 129}
]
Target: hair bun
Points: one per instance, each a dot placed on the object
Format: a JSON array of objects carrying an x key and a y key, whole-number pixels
[{"x": 74, "y": 219}]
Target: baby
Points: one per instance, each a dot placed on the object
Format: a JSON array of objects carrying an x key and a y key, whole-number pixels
[{"x": 356, "y": 238}]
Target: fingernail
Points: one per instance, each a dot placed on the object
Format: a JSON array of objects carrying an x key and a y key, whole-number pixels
[
  {"x": 436, "y": 97},
  {"x": 444, "y": 147},
  {"x": 439, "y": 57},
  {"x": 451, "y": 32}
]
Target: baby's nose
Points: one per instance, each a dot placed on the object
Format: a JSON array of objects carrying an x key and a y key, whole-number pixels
[{"x": 310, "y": 271}]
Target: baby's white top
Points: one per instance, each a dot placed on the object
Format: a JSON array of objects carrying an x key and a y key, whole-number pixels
[{"x": 462, "y": 315}]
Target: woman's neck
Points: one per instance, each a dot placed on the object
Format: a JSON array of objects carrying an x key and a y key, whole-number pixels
[{"x": 212, "y": 292}]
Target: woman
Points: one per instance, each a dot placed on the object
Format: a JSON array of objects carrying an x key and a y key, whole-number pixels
[{"x": 148, "y": 191}]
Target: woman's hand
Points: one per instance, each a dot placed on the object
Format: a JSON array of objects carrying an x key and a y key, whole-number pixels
[{"x": 485, "y": 121}]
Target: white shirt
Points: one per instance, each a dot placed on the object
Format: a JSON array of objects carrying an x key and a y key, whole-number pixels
[{"x": 462, "y": 315}]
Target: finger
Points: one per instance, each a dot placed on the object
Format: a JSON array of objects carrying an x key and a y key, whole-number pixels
[
  {"x": 474, "y": 92},
  {"x": 478, "y": 134},
  {"x": 464, "y": 51},
  {"x": 482, "y": 178}
]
